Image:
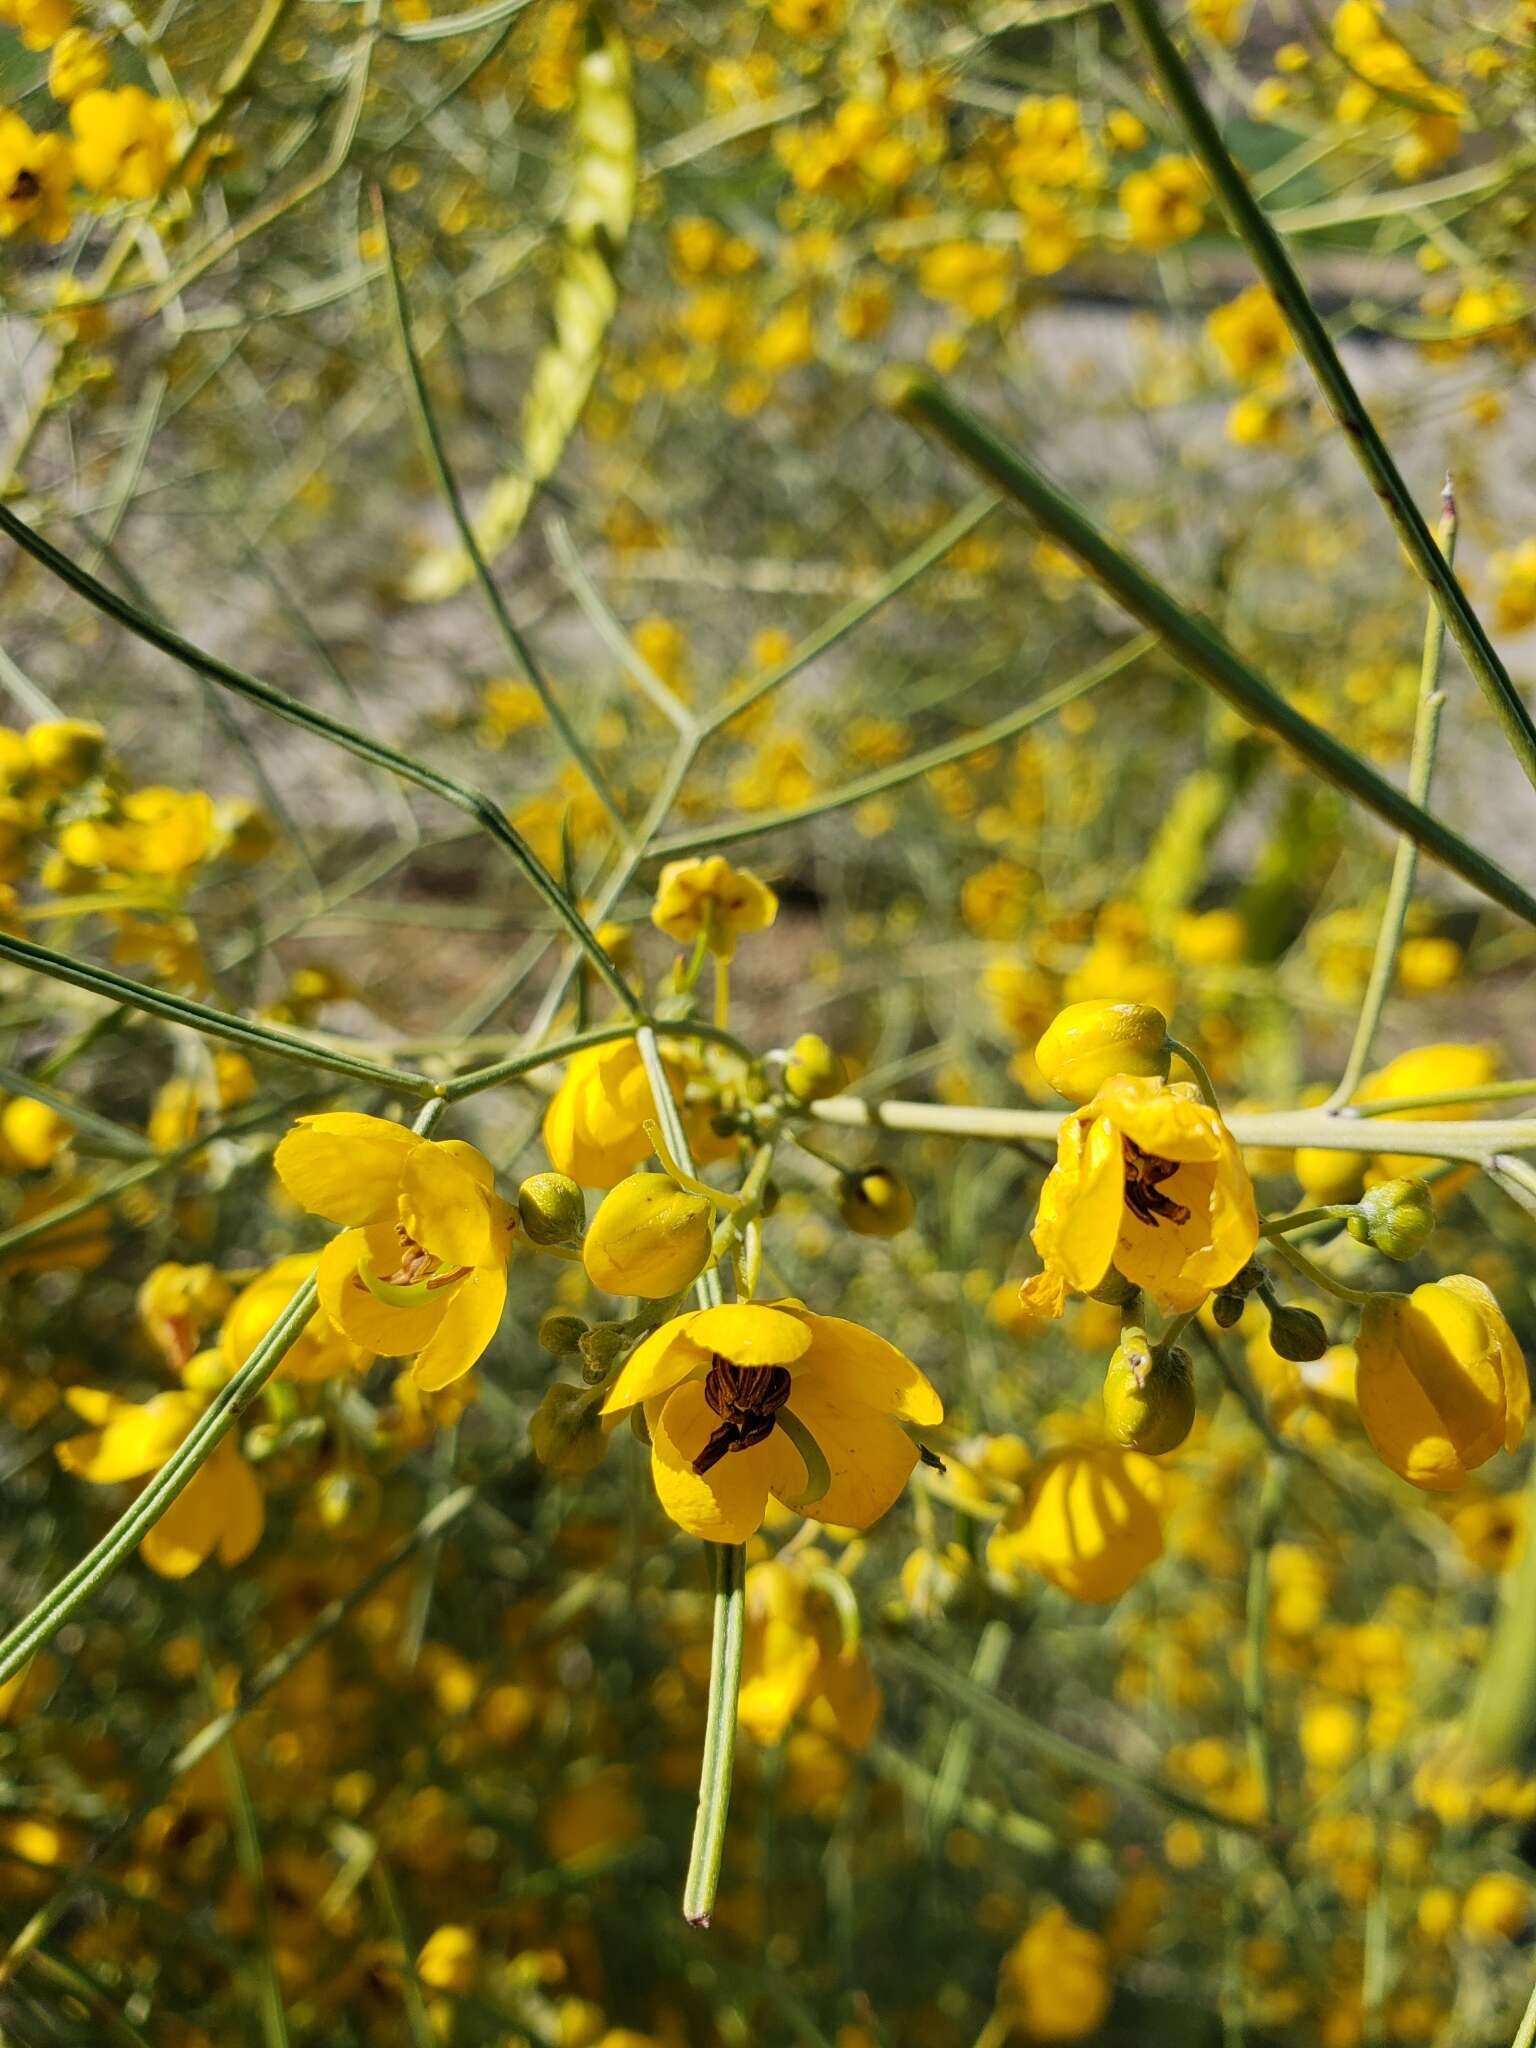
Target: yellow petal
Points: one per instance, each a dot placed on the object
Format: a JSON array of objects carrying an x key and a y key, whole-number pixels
[
  {"x": 869, "y": 1456},
  {"x": 871, "y": 1370},
  {"x": 1089, "y": 1223},
  {"x": 387, "y": 1332},
  {"x": 446, "y": 1209},
  {"x": 727, "y": 1503},
  {"x": 188, "y": 1530},
  {"x": 657, "y": 1364},
  {"x": 344, "y": 1166},
  {"x": 244, "y": 1507},
  {"x": 748, "y": 1334},
  {"x": 137, "y": 1439},
  {"x": 468, "y": 1325}
]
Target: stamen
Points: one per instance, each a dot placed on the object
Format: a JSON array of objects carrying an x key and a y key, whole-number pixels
[
  {"x": 1143, "y": 1173},
  {"x": 746, "y": 1398}
]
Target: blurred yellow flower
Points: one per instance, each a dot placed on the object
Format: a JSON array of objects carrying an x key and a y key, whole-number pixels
[
  {"x": 1054, "y": 1984},
  {"x": 707, "y": 898},
  {"x": 1165, "y": 203},
  {"x": 124, "y": 142},
  {"x": 1090, "y": 1521},
  {"x": 35, "y": 177}
]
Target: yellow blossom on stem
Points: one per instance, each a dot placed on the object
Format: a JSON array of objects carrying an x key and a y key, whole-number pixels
[
  {"x": 649, "y": 1237},
  {"x": 1149, "y": 1181},
  {"x": 1090, "y": 1521},
  {"x": 1087, "y": 1044},
  {"x": 594, "y": 1127},
  {"x": 797, "y": 1659},
  {"x": 35, "y": 178},
  {"x": 221, "y": 1510},
  {"x": 1440, "y": 1381},
  {"x": 1165, "y": 203},
  {"x": 709, "y": 899},
  {"x": 421, "y": 1268},
  {"x": 124, "y": 142},
  {"x": 753, "y": 1399},
  {"x": 41, "y": 22}
]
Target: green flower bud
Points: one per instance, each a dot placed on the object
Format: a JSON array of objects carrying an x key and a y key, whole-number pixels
[
  {"x": 875, "y": 1202},
  {"x": 1227, "y": 1309},
  {"x": 552, "y": 1207},
  {"x": 649, "y": 1237},
  {"x": 560, "y": 1333},
  {"x": 603, "y": 1345},
  {"x": 1396, "y": 1218},
  {"x": 1149, "y": 1396},
  {"x": 1297, "y": 1333},
  {"x": 813, "y": 1070},
  {"x": 567, "y": 1432}
]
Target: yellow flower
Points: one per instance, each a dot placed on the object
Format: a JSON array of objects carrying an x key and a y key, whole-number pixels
[
  {"x": 1051, "y": 146},
  {"x": 79, "y": 64},
  {"x": 219, "y": 1510},
  {"x": 421, "y": 1268},
  {"x": 649, "y": 1237},
  {"x": 1441, "y": 1383},
  {"x": 35, "y": 177},
  {"x": 1250, "y": 335},
  {"x": 1089, "y": 1521},
  {"x": 64, "y": 752},
  {"x": 322, "y": 1350},
  {"x": 34, "y": 1134},
  {"x": 796, "y": 1659},
  {"x": 1055, "y": 1984},
  {"x": 41, "y": 22},
  {"x": 1087, "y": 1044},
  {"x": 1148, "y": 1180},
  {"x": 594, "y": 1127},
  {"x": 177, "y": 1303},
  {"x": 711, "y": 898},
  {"x": 124, "y": 142},
  {"x": 1165, "y": 203},
  {"x": 750, "y": 1400},
  {"x": 1496, "y": 1908},
  {"x": 156, "y": 832}
]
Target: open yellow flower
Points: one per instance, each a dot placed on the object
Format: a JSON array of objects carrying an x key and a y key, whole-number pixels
[
  {"x": 124, "y": 141},
  {"x": 221, "y": 1507},
  {"x": 322, "y": 1350},
  {"x": 1440, "y": 1381},
  {"x": 1148, "y": 1180},
  {"x": 755, "y": 1399},
  {"x": 421, "y": 1269},
  {"x": 797, "y": 1660},
  {"x": 35, "y": 178},
  {"x": 712, "y": 898}
]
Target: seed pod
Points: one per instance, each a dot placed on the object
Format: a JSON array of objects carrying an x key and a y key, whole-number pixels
[
  {"x": 1396, "y": 1218},
  {"x": 1149, "y": 1396},
  {"x": 1297, "y": 1333},
  {"x": 552, "y": 1207},
  {"x": 875, "y": 1202},
  {"x": 813, "y": 1070},
  {"x": 560, "y": 1333}
]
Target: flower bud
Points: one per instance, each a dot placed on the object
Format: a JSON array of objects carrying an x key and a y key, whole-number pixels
[
  {"x": 813, "y": 1069},
  {"x": 66, "y": 751},
  {"x": 649, "y": 1237},
  {"x": 603, "y": 1344},
  {"x": 1297, "y": 1333},
  {"x": 1397, "y": 1217},
  {"x": 875, "y": 1202},
  {"x": 1227, "y": 1308},
  {"x": 1089, "y": 1043},
  {"x": 1149, "y": 1396},
  {"x": 552, "y": 1207},
  {"x": 567, "y": 1431},
  {"x": 560, "y": 1333},
  {"x": 1440, "y": 1381}
]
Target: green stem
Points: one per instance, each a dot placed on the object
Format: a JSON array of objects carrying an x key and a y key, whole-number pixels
[
  {"x": 1197, "y": 1067},
  {"x": 1320, "y": 1277},
  {"x": 473, "y": 802},
  {"x": 1197, "y": 644},
  {"x": 1527, "y": 2033},
  {"x": 719, "y": 1733},
  {"x": 1250, "y": 222},
  {"x": 1501, "y": 1721},
  {"x": 1255, "y": 1676},
  {"x": 426, "y": 422},
  {"x": 117, "y": 988},
  {"x": 105, "y": 1557},
  {"x": 1405, "y": 861},
  {"x": 528, "y": 1062},
  {"x": 733, "y": 830},
  {"x": 1302, "y": 1219}
]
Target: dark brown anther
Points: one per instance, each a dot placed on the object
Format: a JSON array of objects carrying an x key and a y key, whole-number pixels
[
  {"x": 746, "y": 1398},
  {"x": 1143, "y": 1173}
]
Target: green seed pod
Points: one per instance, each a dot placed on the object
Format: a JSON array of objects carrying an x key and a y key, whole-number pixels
[
  {"x": 813, "y": 1070},
  {"x": 566, "y": 1431},
  {"x": 875, "y": 1202},
  {"x": 1297, "y": 1333},
  {"x": 552, "y": 1207},
  {"x": 1397, "y": 1218},
  {"x": 1149, "y": 1396},
  {"x": 560, "y": 1333}
]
